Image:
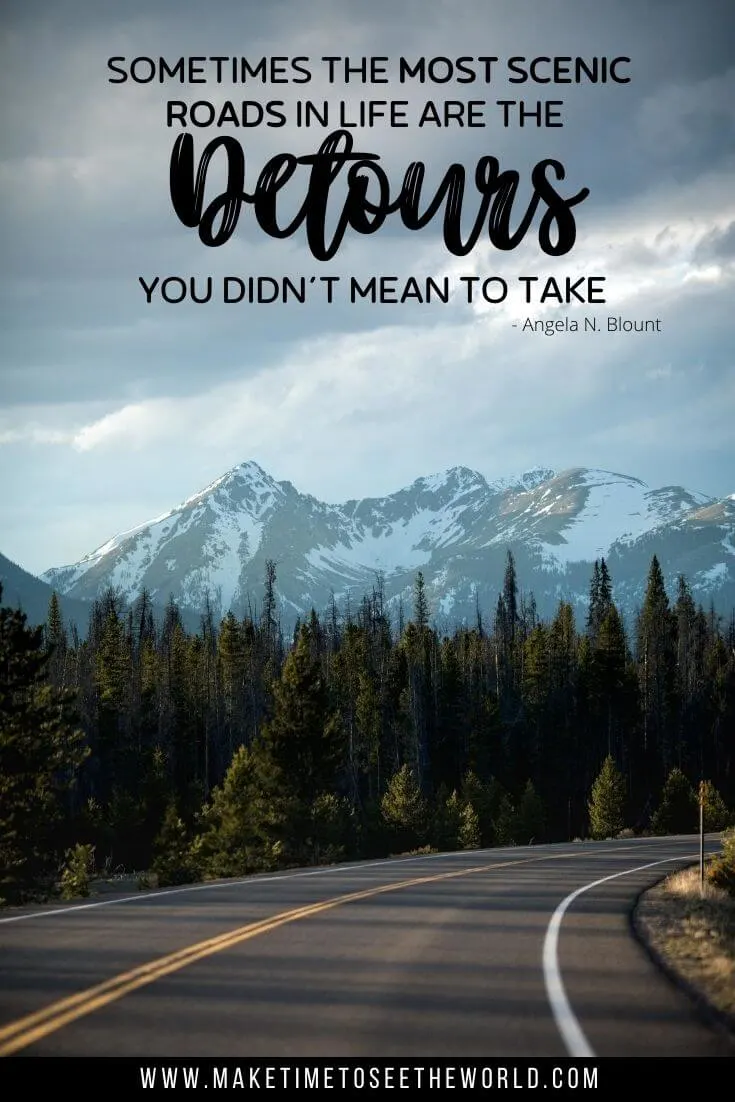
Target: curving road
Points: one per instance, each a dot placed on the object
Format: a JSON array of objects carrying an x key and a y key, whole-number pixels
[{"x": 522, "y": 952}]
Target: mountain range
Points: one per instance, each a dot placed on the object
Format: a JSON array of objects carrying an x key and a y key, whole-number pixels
[{"x": 456, "y": 527}]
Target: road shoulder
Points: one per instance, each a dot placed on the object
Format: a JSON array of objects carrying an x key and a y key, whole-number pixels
[{"x": 692, "y": 940}]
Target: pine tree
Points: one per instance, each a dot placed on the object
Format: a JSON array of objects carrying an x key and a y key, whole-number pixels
[
  {"x": 548, "y": 757},
  {"x": 612, "y": 688},
  {"x": 41, "y": 750},
  {"x": 114, "y": 745},
  {"x": 352, "y": 690},
  {"x": 368, "y": 724},
  {"x": 269, "y": 619},
  {"x": 78, "y": 869},
  {"x": 404, "y": 811},
  {"x": 56, "y": 641},
  {"x": 507, "y": 667},
  {"x": 510, "y": 598},
  {"x": 298, "y": 752},
  {"x": 180, "y": 719},
  {"x": 484, "y": 799},
  {"x": 468, "y": 835},
  {"x": 55, "y": 633},
  {"x": 420, "y": 604},
  {"x": 145, "y": 627},
  {"x": 447, "y": 750},
  {"x": 171, "y": 619},
  {"x": 657, "y": 665},
  {"x": 600, "y": 599},
  {"x": 505, "y": 822},
  {"x": 330, "y": 828},
  {"x": 530, "y": 816},
  {"x": 172, "y": 862},
  {"x": 446, "y": 820},
  {"x": 419, "y": 643},
  {"x": 605, "y": 589},
  {"x": 594, "y": 600},
  {"x": 232, "y": 670},
  {"x": 607, "y": 801},
  {"x": 677, "y": 809},
  {"x": 716, "y": 815},
  {"x": 230, "y": 835},
  {"x": 691, "y": 646}
]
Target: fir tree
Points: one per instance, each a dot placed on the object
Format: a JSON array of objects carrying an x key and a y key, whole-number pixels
[
  {"x": 530, "y": 816},
  {"x": 594, "y": 599},
  {"x": 41, "y": 750},
  {"x": 269, "y": 619},
  {"x": 504, "y": 823},
  {"x": 420, "y": 604},
  {"x": 612, "y": 688},
  {"x": 56, "y": 639},
  {"x": 232, "y": 671},
  {"x": 77, "y": 871},
  {"x": 330, "y": 828},
  {"x": 172, "y": 862},
  {"x": 510, "y": 598},
  {"x": 656, "y": 665},
  {"x": 298, "y": 752},
  {"x": 229, "y": 840},
  {"x": 607, "y": 802},
  {"x": 600, "y": 598},
  {"x": 447, "y": 820},
  {"x": 484, "y": 799},
  {"x": 715, "y": 813},
  {"x": 404, "y": 811},
  {"x": 368, "y": 725},
  {"x": 468, "y": 835}
]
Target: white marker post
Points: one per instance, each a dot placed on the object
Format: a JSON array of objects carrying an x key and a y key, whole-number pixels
[{"x": 701, "y": 839}]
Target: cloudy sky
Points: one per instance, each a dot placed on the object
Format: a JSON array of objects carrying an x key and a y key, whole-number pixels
[{"x": 114, "y": 410}]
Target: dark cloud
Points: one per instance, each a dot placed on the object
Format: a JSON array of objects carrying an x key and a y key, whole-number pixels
[{"x": 718, "y": 245}]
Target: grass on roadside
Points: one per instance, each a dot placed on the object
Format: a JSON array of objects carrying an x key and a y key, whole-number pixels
[{"x": 694, "y": 933}]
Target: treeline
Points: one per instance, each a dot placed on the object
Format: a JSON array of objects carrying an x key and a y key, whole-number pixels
[{"x": 230, "y": 750}]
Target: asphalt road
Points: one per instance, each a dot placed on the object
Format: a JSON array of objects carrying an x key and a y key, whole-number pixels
[{"x": 492, "y": 953}]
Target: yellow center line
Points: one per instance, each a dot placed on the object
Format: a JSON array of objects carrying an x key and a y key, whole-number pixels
[{"x": 31, "y": 1028}]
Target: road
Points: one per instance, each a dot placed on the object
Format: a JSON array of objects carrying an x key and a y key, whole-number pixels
[{"x": 488, "y": 953}]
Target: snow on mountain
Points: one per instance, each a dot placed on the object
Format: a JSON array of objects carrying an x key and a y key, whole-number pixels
[
  {"x": 454, "y": 525},
  {"x": 389, "y": 548},
  {"x": 607, "y": 509},
  {"x": 207, "y": 539},
  {"x": 529, "y": 480}
]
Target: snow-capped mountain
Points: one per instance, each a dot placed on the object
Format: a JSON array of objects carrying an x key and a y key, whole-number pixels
[{"x": 456, "y": 527}]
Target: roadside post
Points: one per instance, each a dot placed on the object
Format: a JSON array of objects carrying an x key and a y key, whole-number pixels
[{"x": 701, "y": 838}]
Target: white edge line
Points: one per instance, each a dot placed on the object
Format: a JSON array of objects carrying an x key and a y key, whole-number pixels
[{"x": 566, "y": 1020}]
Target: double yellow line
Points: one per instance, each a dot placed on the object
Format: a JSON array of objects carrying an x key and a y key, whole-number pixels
[{"x": 26, "y": 1031}]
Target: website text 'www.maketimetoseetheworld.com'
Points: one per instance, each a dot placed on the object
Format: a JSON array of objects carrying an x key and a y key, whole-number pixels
[{"x": 413, "y": 1076}]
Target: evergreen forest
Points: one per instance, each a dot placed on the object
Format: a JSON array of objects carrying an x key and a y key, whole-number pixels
[{"x": 180, "y": 755}]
